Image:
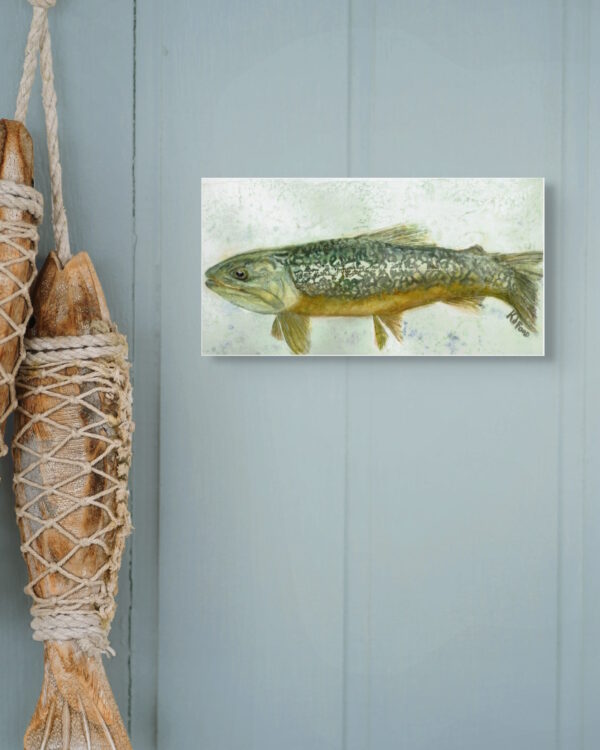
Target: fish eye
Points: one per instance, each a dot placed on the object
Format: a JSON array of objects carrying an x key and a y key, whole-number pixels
[{"x": 241, "y": 274}]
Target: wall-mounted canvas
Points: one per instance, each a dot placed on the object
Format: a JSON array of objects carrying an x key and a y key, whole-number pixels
[{"x": 387, "y": 267}]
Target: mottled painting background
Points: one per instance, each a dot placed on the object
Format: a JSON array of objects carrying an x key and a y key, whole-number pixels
[{"x": 502, "y": 215}]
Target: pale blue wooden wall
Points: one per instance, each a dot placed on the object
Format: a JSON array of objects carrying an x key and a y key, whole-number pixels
[{"x": 350, "y": 555}]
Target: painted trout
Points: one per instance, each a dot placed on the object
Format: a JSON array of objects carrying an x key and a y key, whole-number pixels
[{"x": 379, "y": 274}]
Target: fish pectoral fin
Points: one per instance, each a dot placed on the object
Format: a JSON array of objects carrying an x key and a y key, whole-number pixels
[
  {"x": 401, "y": 234},
  {"x": 276, "y": 330},
  {"x": 394, "y": 324},
  {"x": 380, "y": 334},
  {"x": 296, "y": 331},
  {"x": 469, "y": 304}
]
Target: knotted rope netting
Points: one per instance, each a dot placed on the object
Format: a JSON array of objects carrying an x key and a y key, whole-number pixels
[
  {"x": 19, "y": 241},
  {"x": 72, "y": 443}
]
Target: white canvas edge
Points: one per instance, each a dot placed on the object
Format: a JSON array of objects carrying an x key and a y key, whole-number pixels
[{"x": 376, "y": 355}]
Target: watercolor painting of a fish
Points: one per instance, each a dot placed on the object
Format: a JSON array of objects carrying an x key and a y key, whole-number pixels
[{"x": 380, "y": 276}]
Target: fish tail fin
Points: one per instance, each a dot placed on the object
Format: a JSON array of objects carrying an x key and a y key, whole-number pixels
[
  {"x": 523, "y": 292},
  {"x": 76, "y": 703}
]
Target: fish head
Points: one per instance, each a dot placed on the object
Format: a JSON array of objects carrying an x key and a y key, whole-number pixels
[{"x": 259, "y": 281}]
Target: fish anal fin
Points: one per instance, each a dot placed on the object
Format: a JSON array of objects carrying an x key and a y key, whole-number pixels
[
  {"x": 380, "y": 333},
  {"x": 394, "y": 324},
  {"x": 401, "y": 234},
  {"x": 276, "y": 330},
  {"x": 468, "y": 304},
  {"x": 296, "y": 331}
]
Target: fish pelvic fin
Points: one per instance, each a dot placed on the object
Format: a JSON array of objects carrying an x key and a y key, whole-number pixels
[
  {"x": 394, "y": 324},
  {"x": 380, "y": 334},
  {"x": 469, "y": 304},
  {"x": 523, "y": 292},
  {"x": 276, "y": 330},
  {"x": 295, "y": 329},
  {"x": 401, "y": 234}
]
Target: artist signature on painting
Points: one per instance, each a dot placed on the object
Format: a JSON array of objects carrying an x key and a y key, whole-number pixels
[{"x": 514, "y": 318}]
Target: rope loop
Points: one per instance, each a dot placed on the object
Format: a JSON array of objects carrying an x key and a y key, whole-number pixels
[
  {"x": 42, "y": 351},
  {"x": 43, "y": 4},
  {"x": 38, "y": 45}
]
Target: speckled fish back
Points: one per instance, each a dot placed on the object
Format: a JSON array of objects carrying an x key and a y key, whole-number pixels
[{"x": 356, "y": 268}]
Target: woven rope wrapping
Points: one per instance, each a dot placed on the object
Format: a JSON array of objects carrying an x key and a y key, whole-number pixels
[
  {"x": 22, "y": 238},
  {"x": 73, "y": 458}
]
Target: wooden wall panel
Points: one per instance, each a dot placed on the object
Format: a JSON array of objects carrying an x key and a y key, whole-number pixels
[
  {"x": 452, "y": 464},
  {"x": 348, "y": 554},
  {"x": 252, "y": 451},
  {"x": 590, "y": 716}
]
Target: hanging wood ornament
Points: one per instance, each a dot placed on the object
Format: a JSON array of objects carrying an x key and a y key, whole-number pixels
[
  {"x": 72, "y": 451},
  {"x": 21, "y": 209}
]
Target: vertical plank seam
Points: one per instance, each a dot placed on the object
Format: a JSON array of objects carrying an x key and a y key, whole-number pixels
[
  {"x": 581, "y": 629},
  {"x": 586, "y": 297},
  {"x": 570, "y": 624},
  {"x": 357, "y": 678},
  {"x": 161, "y": 90},
  {"x": 559, "y": 442},
  {"x": 349, "y": 93},
  {"x": 133, "y": 301},
  {"x": 345, "y": 567},
  {"x": 344, "y": 738}
]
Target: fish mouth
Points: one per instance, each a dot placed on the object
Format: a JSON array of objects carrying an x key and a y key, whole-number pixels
[
  {"x": 256, "y": 300},
  {"x": 217, "y": 284}
]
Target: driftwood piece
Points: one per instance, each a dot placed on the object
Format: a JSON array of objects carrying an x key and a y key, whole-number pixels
[
  {"x": 76, "y": 708},
  {"x": 16, "y": 165}
]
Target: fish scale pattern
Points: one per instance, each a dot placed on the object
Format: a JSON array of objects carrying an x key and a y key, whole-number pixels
[
  {"x": 72, "y": 460},
  {"x": 360, "y": 268}
]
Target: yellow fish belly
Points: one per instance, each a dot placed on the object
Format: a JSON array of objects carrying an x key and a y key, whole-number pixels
[{"x": 384, "y": 304}]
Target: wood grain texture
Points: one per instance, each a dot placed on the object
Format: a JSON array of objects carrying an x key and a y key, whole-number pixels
[
  {"x": 95, "y": 109},
  {"x": 76, "y": 709},
  {"x": 16, "y": 165}
]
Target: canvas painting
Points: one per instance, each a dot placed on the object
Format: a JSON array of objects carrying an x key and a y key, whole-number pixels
[{"x": 385, "y": 267}]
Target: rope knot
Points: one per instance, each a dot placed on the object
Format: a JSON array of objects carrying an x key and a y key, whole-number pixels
[{"x": 43, "y": 4}]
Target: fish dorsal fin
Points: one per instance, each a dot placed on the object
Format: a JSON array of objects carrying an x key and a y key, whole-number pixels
[
  {"x": 469, "y": 304},
  {"x": 401, "y": 234},
  {"x": 380, "y": 334},
  {"x": 296, "y": 331},
  {"x": 476, "y": 249},
  {"x": 276, "y": 330},
  {"x": 394, "y": 324}
]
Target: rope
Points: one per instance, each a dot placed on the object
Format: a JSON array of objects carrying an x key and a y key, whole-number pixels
[
  {"x": 43, "y": 351},
  {"x": 72, "y": 450},
  {"x": 73, "y": 424},
  {"x": 19, "y": 240},
  {"x": 72, "y": 442},
  {"x": 38, "y": 41}
]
